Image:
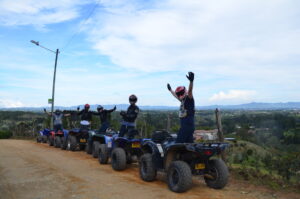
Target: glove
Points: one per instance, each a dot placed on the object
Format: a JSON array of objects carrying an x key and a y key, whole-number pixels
[
  {"x": 78, "y": 108},
  {"x": 190, "y": 76},
  {"x": 169, "y": 87},
  {"x": 44, "y": 110},
  {"x": 115, "y": 108},
  {"x": 122, "y": 113}
]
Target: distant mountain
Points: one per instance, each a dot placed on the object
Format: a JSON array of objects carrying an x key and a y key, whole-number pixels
[
  {"x": 256, "y": 106},
  {"x": 249, "y": 106}
]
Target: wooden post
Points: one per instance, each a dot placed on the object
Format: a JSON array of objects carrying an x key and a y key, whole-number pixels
[
  {"x": 220, "y": 130},
  {"x": 168, "y": 123}
]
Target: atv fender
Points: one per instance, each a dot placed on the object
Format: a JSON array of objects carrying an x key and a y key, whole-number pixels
[
  {"x": 156, "y": 151},
  {"x": 172, "y": 151}
]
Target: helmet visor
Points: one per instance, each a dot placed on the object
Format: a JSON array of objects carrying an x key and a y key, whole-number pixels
[{"x": 180, "y": 93}]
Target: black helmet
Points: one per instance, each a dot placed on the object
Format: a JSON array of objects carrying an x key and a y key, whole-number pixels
[
  {"x": 57, "y": 111},
  {"x": 132, "y": 98},
  {"x": 99, "y": 107}
]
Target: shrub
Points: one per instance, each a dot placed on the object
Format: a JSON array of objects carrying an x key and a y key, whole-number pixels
[{"x": 5, "y": 134}]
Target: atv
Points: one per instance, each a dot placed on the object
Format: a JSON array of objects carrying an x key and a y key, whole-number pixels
[
  {"x": 100, "y": 143},
  {"x": 181, "y": 161},
  {"x": 43, "y": 137},
  {"x": 77, "y": 137},
  {"x": 55, "y": 138},
  {"x": 125, "y": 149}
]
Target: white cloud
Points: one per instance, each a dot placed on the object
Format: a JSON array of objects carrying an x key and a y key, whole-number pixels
[
  {"x": 6, "y": 103},
  {"x": 233, "y": 95},
  {"x": 38, "y": 13},
  {"x": 197, "y": 35}
]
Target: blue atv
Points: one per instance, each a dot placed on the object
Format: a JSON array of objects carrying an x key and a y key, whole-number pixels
[
  {"x": 77, "y": 137},
  {"x": 100, "y": 142},
  {"x": 181, "y": 161},
  {"x": 125, "y": 149},
  {"x": 43, "y": 136}
]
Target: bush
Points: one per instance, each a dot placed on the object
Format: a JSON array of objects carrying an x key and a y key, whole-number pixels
[{"x": 5, "y": 134}]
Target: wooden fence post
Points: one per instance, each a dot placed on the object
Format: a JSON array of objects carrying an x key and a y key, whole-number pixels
[{"x": 220, "y": 131}]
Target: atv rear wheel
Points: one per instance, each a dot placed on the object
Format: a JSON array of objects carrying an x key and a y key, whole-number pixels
[
  {"x": 44, "y": 139},
  {"x": 147, "y": 168},
  {"x": 118, "y": 159},
  {"x": 88, "y": 148},
  {"x": 63, "y": 144},
  {"x": 219, "y": 171},
  {"x": 38, "y": 139},
  {"x": 179, "y": 176},
  {"x": 72, "y": 143},
  {"x": 51, "y": 141},
  {"x": 103, "y": 154},
  {"x": 57, "y": 142},
  {"x": 96, "y": 145},
  {"x": 82, "y": 147}
]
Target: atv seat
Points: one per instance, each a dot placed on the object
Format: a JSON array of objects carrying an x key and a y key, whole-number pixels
[{"x": 161, "y": 136}]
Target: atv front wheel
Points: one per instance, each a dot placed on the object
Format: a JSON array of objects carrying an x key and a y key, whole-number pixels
[
  {"x": 96, "y": 149},
  {"x": 103, "y": 154},
  {"x": 219, "y": 172},
  {"x": 38, "y": 139},
  {"x": 147, "y": 168},
  {"x": 118, "y": 159},
  {"x": 179, "y": 176}
]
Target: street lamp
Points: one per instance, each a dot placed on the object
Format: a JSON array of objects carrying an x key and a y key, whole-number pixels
[{"x": 54, "y": 76}]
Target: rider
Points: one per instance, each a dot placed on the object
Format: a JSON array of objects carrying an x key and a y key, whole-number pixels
[
  {"x": 57, "y": 119},
  {"x": 129, "y": 116},
  {"x": 86, "y": 114},
  {"x": 104, "y": 117},
  {"x": 187, "y": 111}
]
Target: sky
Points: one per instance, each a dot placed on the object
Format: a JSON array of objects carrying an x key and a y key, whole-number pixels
[{"x": 240, "y": 51}]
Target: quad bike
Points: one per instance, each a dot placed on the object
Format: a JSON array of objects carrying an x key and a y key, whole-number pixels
[
  {"x": 43, "y": 136},
  {"x": 77, "y": 137},
  {"x": 100, "y": 142},
  {"x": 181, "y": 161},
  {"x": 55, "y": 138},
  {"x": 125, "y": 149}
]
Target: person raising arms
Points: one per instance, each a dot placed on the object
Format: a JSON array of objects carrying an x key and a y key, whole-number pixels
[{"x": 186, "y": 112}]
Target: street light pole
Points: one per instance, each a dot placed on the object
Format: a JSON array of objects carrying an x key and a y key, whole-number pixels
[
  {"x": 53, "y": 85},
  {"x": 54, "y": 75}
]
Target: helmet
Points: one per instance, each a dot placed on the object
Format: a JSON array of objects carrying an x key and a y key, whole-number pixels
[
  {"x": 86, "y": 106},
  {"x": 99, "y": 107},
  {"x": 180, "y": 90},
  {"x": 57, "y": 111},
  {"x": 132, "y": 98}
]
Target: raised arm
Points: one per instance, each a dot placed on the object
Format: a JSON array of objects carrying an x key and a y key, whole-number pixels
[
  {"x": 172, "y": 92},
  {"x": 47, "y": 112},
  {"x": 112, "y": 110},
  {"x": 190, "y": 77}
]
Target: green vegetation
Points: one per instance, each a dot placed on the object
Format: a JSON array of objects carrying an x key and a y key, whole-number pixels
[
  {"x": 5, "y": 134},
  {"x": 266, "y": 150}
]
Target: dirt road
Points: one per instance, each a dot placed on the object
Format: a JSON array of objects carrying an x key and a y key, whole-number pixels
[{"x": 29, "y": 170}]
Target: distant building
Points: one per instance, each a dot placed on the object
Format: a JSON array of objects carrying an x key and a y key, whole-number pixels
[{"x": 206, "y": 134}]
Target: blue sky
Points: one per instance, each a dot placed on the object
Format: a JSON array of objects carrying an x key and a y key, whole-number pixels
[{"x": 240, "y": 51}]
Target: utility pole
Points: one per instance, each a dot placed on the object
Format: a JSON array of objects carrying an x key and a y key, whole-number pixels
[
  {"x": 53, "y": 86},
  {"x": 54, "y": 75}
]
